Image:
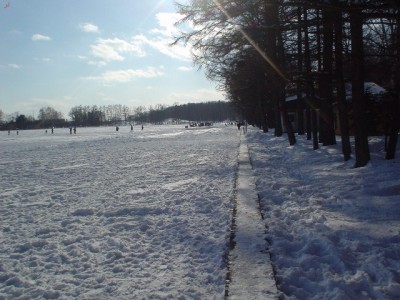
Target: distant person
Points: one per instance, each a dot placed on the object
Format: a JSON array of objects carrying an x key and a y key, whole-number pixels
[
  {"x": 52, "y": 130},
  {"x": 131, "y": 127},
  {"x": 75, "y": 130},
  {"x": 142, "y": 126},
  {"x": 70, "y": 130},
  {"x": 116, "y": 128},
  {"x": 9, "y": 132},
  {"x": 46, "y": 131}
]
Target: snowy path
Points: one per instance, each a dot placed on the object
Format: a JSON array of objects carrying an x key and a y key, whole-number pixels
[{"x": 251, "y": 270}]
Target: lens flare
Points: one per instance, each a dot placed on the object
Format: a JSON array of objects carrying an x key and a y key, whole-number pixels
[{"x": 253, "y": 43}]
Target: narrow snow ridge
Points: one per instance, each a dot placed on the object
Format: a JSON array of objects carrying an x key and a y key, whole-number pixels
[{"x": 250, "y": 267}]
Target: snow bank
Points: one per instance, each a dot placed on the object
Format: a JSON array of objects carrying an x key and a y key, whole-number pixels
[{"x": 334, "y": 230}]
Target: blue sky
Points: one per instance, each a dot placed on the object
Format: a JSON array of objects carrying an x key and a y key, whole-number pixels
[{"x": 64, "y": 53}]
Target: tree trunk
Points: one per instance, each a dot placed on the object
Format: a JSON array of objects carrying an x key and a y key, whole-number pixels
[
  {"x": 288, "y": 124},
  {"x": 326, "y": 112},
  {"x": 395, "y": 127},
  {"x": 314, "y": 126},
  {"x": 274, "y": 50},
  {"x": 280, "y": 60},
  {"x": 278, "y": 123},
  {"x": 262, "y": 108},
  {"x": 395, "y": 111},
  {"x": 340, "y": 85},
  {"x": 316, "y": 123},
  {"x": 300, "y": 102},
  {"x": 270, "y": 115},
  {"x": 359, "y": 107},
  {"x": 308, "y": 83}
]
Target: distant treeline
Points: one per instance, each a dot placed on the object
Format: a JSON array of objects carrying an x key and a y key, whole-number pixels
[
  {"x": 214, "y": 111},
  {"x": 208, "y": 111},
  {"x": 117, "y": 114}
]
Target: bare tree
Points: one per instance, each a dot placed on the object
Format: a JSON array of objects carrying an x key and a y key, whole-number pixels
[
  {"x": 49, "y": 113},
  {"x": 1, "y": 116}
]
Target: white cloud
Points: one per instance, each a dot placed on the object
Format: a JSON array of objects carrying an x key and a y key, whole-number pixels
[
  {"x": 167, "y": 23},
  {"x": 14, "y": 66},
  {"x": 200, "y": 95},
  {"x": 43, "y": 59},
  {"x": 16, "y": 32},
  {"x": 162, "y": 37},
  {"x": 98, "y": 64},
  {"x": 106, "y": 52},
  {"x": 89, "y": 27},
  {"x": 40, "y": 37},
  {"x": 163, "y": 45},
  {"x": 126, "y": 75},
  {"x": 185, "y": 69},
  {"x": 112, "y": 49},
  {"x": 159, "y": 39}
]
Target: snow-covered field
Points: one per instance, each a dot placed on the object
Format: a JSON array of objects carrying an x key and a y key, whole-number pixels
[
  {"x": 146, "y": 214},
  {"x": 334, "y": 231},
  {"x": 123, "y": 215}
]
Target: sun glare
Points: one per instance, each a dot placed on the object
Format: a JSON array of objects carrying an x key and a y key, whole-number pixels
[
  {"x": 253, "y": 43},
  {"x": 156, "y": 7}
]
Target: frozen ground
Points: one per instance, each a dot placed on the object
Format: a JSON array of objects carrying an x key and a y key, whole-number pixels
[{"x": 105, "y": 214}]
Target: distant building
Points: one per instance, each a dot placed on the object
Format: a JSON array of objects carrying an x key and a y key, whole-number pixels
[
  {"x": 376, "y": 97},
  {"x": 371, "y": 89}
]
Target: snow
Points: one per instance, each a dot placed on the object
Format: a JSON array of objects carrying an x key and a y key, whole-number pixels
[
  {"x": 333, "y": 230},
  {"x": 251, "y": 273},
  {"x": 370, "y": 88},
  {"x": 147, "y": 214},
  {"x": 105, "y": 214},
  {"x": 374, "y": 89}
]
